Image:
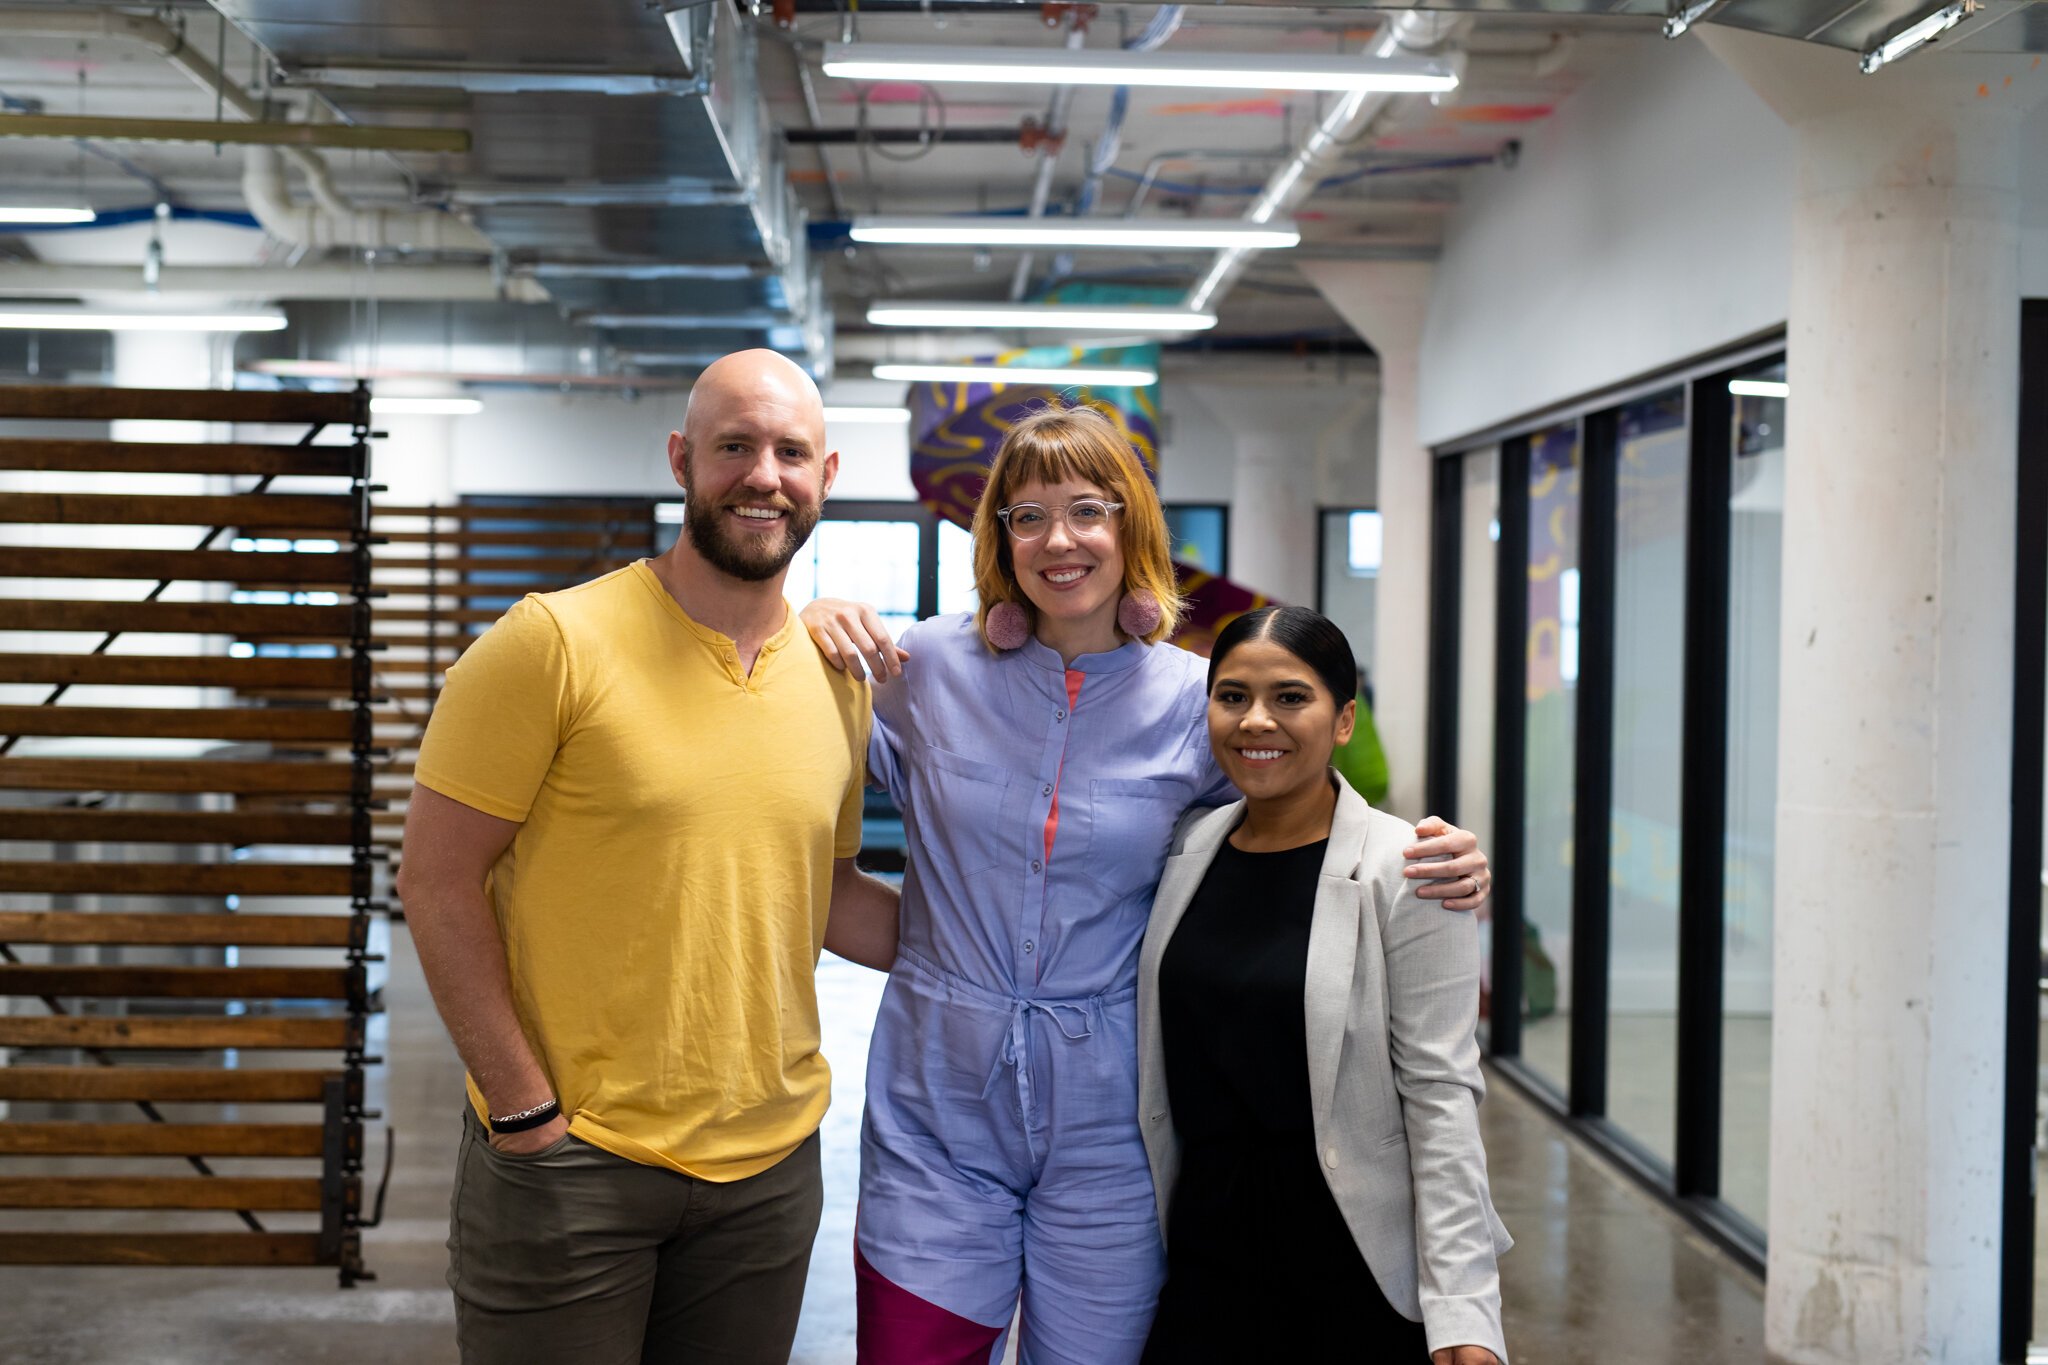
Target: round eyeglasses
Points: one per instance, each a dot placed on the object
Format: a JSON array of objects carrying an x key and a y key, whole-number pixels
[{"x": 1084, "y": 517}]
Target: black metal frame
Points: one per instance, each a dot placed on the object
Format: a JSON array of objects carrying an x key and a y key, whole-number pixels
[
  {"x": 1510, "y": 745},
  {"x": 2023, "y": 953},
  {"x": 341, "y": 1202},
  {"x": 1446, "y": 588},
  {"x": 1593, "y": 766},
  {"x": 1703, "y": 799}
]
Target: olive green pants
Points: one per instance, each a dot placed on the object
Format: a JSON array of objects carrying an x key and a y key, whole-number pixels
[{"x": 575, "y": 1255}]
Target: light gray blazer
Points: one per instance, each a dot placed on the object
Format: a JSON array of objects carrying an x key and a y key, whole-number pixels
[{"x": 1391, "y": 1002}]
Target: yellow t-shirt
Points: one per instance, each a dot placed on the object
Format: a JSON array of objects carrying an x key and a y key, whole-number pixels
[{"x": 663, "y": 903}]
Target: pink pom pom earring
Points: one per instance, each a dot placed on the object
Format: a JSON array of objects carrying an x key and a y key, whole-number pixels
[
  {"x": 1139, "y": 614},
  {"x": 1008, "y": 626}
]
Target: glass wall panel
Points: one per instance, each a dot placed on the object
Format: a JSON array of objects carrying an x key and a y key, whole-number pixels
[
  {"x": 1350, "y": 576},
  {"x": 956, "y": 570},
  {"x": 1552, "y": 675},
  {"x": 1756, "y": 507},
  {"x": 866, "y": 561},
  {"x": 1649, "y": 690},
  {"x": 1478, "y": 589},
  {"x": 1200, "y": 534}
]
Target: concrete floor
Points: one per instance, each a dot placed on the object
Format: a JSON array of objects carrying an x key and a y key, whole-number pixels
[
  {"x": 1600, "y": 1272},
  {"x": 1642, "y": 1079}
]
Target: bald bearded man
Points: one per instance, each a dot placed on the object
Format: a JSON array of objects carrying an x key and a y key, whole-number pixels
[{"x": 633, "y": 807}]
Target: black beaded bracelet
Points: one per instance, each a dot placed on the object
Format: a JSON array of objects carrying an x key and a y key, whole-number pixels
[{"x": 526, "y": 1118}]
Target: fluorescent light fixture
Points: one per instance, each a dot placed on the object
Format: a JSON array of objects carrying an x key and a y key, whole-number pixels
[
  {"x": 1126, "y": 233},
  {"x": 1759, "y": 388},
  {"x": 1918, "y": 34},
  {"x": 1015, "y": 374},
  {"x": 427, "y": 407},
  {"x": 889, "y": 417},
  {"x": 12, "y": 214},
  {"x": 1058, "y": 316},
  {"x": 1685, "y": 13},
  {"x": 1117, "y": 66},
  {"x": 78, "y": 320}
]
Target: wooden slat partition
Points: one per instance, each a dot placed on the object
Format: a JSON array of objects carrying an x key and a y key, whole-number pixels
[
  {"x": 625, "y": 513},
  {"x": 182, "y": 983},
  {"x": 328, "y": 676},
  {"x": 335, "y": 568},
  {"x": 171, "y": 1085},
  {"x": 238, "y": 827},
  {"x": 178, "y": 879},
  {"x": 208, "y": 930},
  {"x": 549, "y": 568},
  {"x": 163, "y": 1248},
  {"x": 163, "y": 722},
  {"x": 173, "y": 775},
  {"x": 158, "y": 1192},
  {"x": 175, "y": 1033},
  {"x": 593, "y": 541},
  {"x": 82, "y": 1032},
  {"x": 178, "y": 618},
  {"x": 62, "y": 402},
  {"x": 298, "y": 512},
  {"x": 130, "y": 457},
  {"x": 160, "y": 1139},
  {"x": 162, "y": 1085},
  {"x": 468, "y": 616}
]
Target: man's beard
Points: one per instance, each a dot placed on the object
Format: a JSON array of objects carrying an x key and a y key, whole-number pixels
[{"x": 749, "y": 558}]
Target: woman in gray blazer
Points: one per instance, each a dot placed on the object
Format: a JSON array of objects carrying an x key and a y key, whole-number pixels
[{"x": 1308, "y": 1072}]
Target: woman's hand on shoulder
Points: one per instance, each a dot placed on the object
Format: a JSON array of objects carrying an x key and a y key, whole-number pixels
[
  {"x": 1455, "y": 867},
  {"x": 1463, "y": 1355},
  {"x": 853, "y": 639}
]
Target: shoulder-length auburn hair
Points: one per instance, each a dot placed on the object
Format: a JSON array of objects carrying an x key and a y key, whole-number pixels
[{"x": 1054, "y": 445}]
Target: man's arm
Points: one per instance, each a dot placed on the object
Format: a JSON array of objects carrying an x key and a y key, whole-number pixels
[
  {"x": 861, "y": 925},
  {"x": 448, "y": 851}
]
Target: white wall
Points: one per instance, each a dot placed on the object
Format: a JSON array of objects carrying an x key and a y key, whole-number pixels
[
  {"x": 2034, "y": 204},
  {"x": 1649, "y": 220}
]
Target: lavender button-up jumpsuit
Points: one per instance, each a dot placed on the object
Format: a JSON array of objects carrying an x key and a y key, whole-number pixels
[{"x": 1000, "y": 1149}]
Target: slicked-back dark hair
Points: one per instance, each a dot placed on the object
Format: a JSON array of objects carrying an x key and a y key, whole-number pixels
[{"x": 1308, "y": 635}]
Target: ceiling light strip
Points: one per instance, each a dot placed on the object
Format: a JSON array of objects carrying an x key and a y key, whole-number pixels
[
  {"x": 1016, "y": 374},
  {"x": 21, "y": 320},
  {"x": 1113, "y": 233},
  {"x": 1206, "y": 71},
  {"x": 1050, "y": 316}
]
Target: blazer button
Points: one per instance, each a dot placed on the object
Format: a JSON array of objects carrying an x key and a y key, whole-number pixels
[{"x": 1330, "y": 1158}]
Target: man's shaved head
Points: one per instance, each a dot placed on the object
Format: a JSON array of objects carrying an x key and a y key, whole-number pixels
[{"x": 752, "y": 375}]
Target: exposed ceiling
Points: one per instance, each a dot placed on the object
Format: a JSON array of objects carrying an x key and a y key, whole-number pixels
[{"x": 624, "y": 209}]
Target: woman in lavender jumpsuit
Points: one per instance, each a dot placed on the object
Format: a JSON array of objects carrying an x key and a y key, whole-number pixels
[{"x": 1040, "y": 785}]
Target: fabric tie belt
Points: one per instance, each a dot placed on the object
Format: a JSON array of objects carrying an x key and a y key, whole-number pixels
[{"x": 1075, "y": 1017}]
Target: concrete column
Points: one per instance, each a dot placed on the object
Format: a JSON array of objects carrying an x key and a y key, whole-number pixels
[
  {"x": 1273, "y": 427},
  {"x": 1895, "y": 697},
  {"x": 1387, "y": 303}
]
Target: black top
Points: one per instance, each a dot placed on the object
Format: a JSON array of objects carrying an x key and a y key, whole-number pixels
[{"x": 1260, "y": 1263}]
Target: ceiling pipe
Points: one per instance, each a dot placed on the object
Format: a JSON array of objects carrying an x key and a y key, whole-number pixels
[
  {"x": 331, "y": 221},
  {"x": 1048, "y": 157},
  {"x": 431, "y": 283},
  {"x": 339, "y": 222},
  {"x": 1350, "y": 121}
]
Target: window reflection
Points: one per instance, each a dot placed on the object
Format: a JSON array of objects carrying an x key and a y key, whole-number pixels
[{"x": 1551, "y": 726}]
